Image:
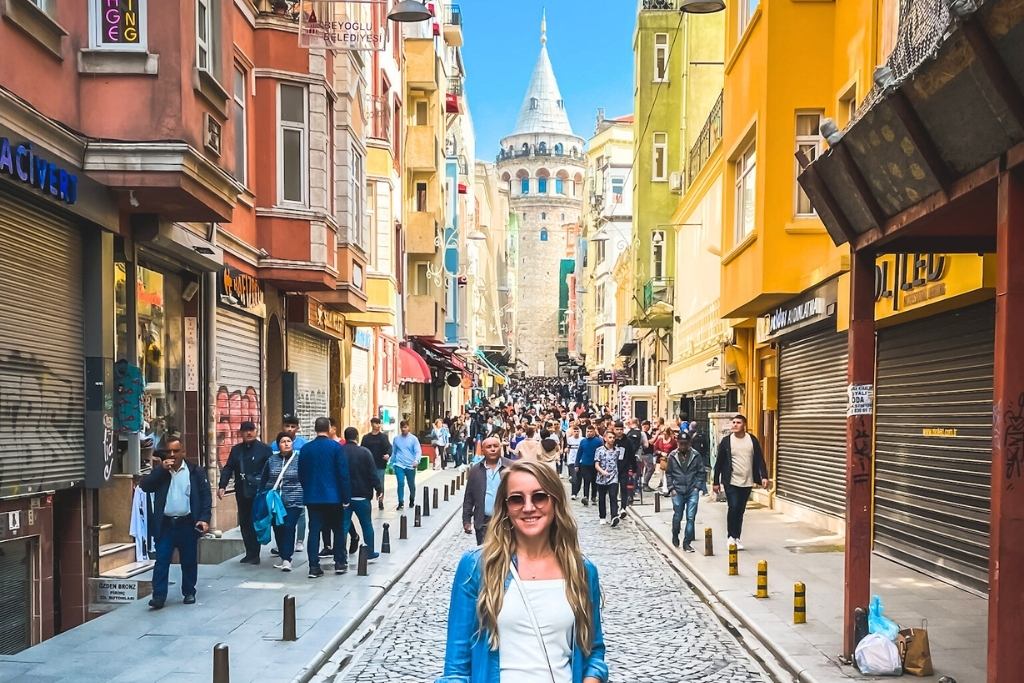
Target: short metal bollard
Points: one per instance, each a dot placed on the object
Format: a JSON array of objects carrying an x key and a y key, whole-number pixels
[
  {"x": 657, "y": 502},
  {"x": 709, "y": 546},
  {"x": 762, "y": 579},
  {"x": 734, "y": 564},
  {"x": 221, "y": 669},
  {"x": 426, "y": 501},
  {"x": 446, "y": 493},
  {"x": 361, "y": 565},
  {"x": 403, "y": 528},
  {"x": 417, "y": 520},
  {"x": 799, "y": 603},
  {"x": 434, "y": 502},
  {"x": 385, "y": 539},
  {"x": 288, "y": 626}
]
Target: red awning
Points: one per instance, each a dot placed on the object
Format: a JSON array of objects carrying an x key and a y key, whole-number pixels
[{"x": 411, "y": 367}]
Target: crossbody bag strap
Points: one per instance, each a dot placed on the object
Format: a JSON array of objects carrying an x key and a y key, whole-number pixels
[
  {"x": 284, "y": 469},
  {"x": 533, "y": 620}
]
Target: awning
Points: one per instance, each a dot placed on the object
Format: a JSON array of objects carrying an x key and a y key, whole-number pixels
[
  {"x": 441, "y": 356},
  {"x": 492, "y": 367},
  {"x": 411, "y": 367}
]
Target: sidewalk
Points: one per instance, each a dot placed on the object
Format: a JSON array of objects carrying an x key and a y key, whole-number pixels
[
  {"x": 957, "y": 620},
  {"x": 239, "y": 605}
]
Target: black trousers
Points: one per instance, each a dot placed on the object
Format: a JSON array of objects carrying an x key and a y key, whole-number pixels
[
  {"x": 607, "y": 491},
  {"x": 736, "y": 497},
  {"x": 481, "y": 531},
  {"x": 252, "y": 546},
  {"x": 589, "y": 476}
]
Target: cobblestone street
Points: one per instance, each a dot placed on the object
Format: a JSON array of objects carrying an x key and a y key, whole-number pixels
[{"x": 656, "y": 628}]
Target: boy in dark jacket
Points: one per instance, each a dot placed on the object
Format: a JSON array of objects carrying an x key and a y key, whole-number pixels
[
  {"x": 362, "y": 473},
  {"x": 686, "y": 480}
]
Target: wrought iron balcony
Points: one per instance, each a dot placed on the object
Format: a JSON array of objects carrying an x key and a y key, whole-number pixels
[
  {"x": 658, "y": 290},
  {"x": 661, "y": 4},
  {"x": 707, "y": 142},
  {"x": 454, "y": 17}
]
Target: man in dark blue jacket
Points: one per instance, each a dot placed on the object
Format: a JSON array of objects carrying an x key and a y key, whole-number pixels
[
  {"x": 363, "y": 484},
  {"x": 326, "y": 490},
  {"x": 181, "y": 514}
]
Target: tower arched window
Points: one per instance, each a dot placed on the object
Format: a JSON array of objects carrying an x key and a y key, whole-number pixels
[
  {"x": 559, "y": 186},
  {"x": 542, "y": 147},
  {"x": 534, "y": 103},
  {"x": 524, "y": 186},
  {"x": 526, "y": 148},
  {"x": 542, "y": 185},
  {"x": 543, "y": 234},
  {"x": 559, "y": 149}
]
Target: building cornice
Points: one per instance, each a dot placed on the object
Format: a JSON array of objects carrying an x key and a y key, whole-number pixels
[
  {"x": 237, "y": 247},
  {"x": 29, "y": 123}
]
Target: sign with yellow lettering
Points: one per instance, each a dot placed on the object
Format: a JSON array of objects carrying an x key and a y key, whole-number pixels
[{"x": 906, "y": 282}]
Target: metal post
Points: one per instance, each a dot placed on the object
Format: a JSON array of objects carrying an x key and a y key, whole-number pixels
[
  {"x": 385, "y": 541},
  {"x": 434, "y": 503},
  {"x": 799, "y": 603},
  {"x": 221, "y": 669},
  {"x": 657, "y": 502},
  {"x": 734, "y": 563},
  {"x": 762, "y": 579},
  {"x": 1006, "y": 560},
  {"x": 426, "y": 501},
  {"x": 403, "y": 528},
  {"x": 288, "y": 626},
  {"x": 709, "y": 546},
  {"x": 859, "y": 444},
  {"x": 417, "y": 520},
  {"x": 361, "y": 566},
  {"x": 446, "y": 493}
]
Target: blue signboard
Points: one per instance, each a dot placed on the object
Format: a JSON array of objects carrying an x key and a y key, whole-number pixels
[{"x": 22, "y": 163}]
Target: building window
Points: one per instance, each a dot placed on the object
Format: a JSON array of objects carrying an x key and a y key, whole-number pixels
[
  {"x": 747, "y": 10},
  {"x": 599, "y": 300},
  {"x": 543, "y": 215},
  {"x": 559, "y": 149},
  {"x": 524, "y": 186},
  {"x": 658, "y": 254},
  {"x": 848, "y": 106},
  {"x": 241, "y": 127},
  {"x": 422, "y": 112},
  {"x": 660, "y": 57},
  {"x": 808, "y": 141},
  {"x": 357, "y": 185},
  {"x": 746, "y": 181},
  {"x": 421, "y": 281},
  {"x": 543, "y": 234},
  {"x": 534, "y": 103},
  {"x": 618, "y": 185},
  {"x": 659, "y": 171},
  {"x": 421, "y": 196},
  {"x": 114, "y": 24},
  {"x": 600, "y": 249},
  {"x": 542, "y": 185},
  {"x": 559, "y": 186},
  {"x": 293, "y": 149},
  {"x": 599, "y": 349},
  {"x": 204, "y": 35}
]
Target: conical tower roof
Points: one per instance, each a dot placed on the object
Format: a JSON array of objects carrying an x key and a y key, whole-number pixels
[{"x": 543, "y": 110}]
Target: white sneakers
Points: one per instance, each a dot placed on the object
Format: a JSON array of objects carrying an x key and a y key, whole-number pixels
[
  {"x": 298, "y": 546},
  {"x": 575, "y": 497},
  {"x": 284, "y": 565},
  {"x": 603, "y": 522},
  {"x": 735, "y": 542}
]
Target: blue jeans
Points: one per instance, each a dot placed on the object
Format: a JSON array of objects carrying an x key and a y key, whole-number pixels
[
  {"x": 685, "y": 503},
  {"x": 460, "y": 454},
  {"x": 406, "y": 475},
  {"x": 362, "y": 510},
  {"x": 326, "y": 516},
  {"x": 181, "y": 534},
  {"x": 381, "y": 478},
  {"x": 285, "y": 533}
]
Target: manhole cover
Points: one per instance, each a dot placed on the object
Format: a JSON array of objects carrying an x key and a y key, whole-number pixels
[{"x": 806, "y": 549}]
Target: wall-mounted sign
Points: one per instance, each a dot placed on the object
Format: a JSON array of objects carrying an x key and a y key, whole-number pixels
[
  {"x": 364, "y": 337},
  {"x": 21, "y": 163},
  {"x": 119, "y": 22},
  {"x": 860, "y": 399},
  {"x": 905, "y": 282},
  {"x": 815, "y": 306},
  {"x": 343, "y": 24},
  {"x": 115, "y": 591},
  {"x": 307, "y": 311},
  {"x": 242, "y": 291},
  {"x": 191, "y": 354}
]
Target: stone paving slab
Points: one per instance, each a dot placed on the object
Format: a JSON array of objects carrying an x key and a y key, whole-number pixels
[{"x": 240, "y": 605}]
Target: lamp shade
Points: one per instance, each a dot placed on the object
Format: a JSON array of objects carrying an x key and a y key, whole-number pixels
[
  {"x": 702, "y": 6},
  {"x": 408, "y": 11},
  {"x": 476, "y": 236}
]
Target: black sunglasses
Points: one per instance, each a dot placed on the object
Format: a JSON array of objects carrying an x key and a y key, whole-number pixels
[{"x": 538, "y": 498}]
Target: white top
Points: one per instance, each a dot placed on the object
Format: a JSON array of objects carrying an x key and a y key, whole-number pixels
[
  {"x": 574, "y": 446},
  {"x": 520, "y": 656},
  {"x": 742, "y": 461}
]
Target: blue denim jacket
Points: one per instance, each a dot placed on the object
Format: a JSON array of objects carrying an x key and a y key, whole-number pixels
[{"x": 468, "y": 657}]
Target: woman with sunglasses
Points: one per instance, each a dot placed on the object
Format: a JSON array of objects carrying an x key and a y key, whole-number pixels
[{"x": 526, "y": 607}]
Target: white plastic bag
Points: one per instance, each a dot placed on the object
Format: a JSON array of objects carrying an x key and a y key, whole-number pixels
[{"x": 876, "y": 655}]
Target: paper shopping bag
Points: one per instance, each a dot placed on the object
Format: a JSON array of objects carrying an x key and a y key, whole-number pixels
[{"x": 917, "y": 656}]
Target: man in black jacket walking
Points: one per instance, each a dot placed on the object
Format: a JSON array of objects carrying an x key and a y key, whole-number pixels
[
  {"x": 739, "y": 466},
  {"x": 630, "y": 442},
  {"x": 362, "y": 472},
  {"x": 245, "y": 463},
  {"x": 378, "y": 443},
  {"x": 481, "y": 488},
  {"x": 181, "y": 514}
]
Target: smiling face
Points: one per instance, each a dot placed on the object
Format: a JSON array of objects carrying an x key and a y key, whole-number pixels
[{"x": 530, "y": 518}]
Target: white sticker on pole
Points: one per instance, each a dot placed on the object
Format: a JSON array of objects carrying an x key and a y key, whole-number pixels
[{"x": 860, "y": 399}]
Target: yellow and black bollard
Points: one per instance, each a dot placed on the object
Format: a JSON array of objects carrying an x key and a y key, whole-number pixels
[
  {"x": 799, "y": 603},
  {"x": 709, "y": 546},
  {"x": 762, "y": 579},
  {"x": 734, "y": 563}
]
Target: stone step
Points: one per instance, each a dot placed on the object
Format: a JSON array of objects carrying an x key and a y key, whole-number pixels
[{"x": 115, "y": 555}]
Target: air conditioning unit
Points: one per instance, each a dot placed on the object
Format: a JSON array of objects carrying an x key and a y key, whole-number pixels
[{"x": 675, "y": 182}]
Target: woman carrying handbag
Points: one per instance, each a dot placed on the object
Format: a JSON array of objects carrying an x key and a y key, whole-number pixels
[
  {"x": 283, "y": 470},
  {"x": 526, "y": 607}
]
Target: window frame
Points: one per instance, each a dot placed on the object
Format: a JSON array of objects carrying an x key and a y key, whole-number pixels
[
  {"x": 357, "y": 186},
  {"x": 241, "y": 122},
  {"x": 658, "y": 255},
  {"x": 542, "y": 184},
  {"x": 524, "y": 186},
  {"x": 655, "y": 147},
  {"x": 283, "y": 125},
  {"x": 95, "y": 27},
  {"x": 543, "y": 234},
  {"x": 205, "y": 46},
  {"x": 746, "y": 12},
  {"x": 814, "y": 141},
  {"x": 661, "y": 50},
  {"x": 744, "y": 171}
]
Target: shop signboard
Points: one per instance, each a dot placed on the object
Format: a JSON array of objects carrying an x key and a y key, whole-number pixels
[
  {"x": 306, "y": 311},
  {"x": 241, "y": 291},
  {"x": 815, "y": 306},
  {"x": 909, "y": 282}
]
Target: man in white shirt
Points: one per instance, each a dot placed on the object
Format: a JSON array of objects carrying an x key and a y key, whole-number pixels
[{"x": 739, "y": 466}]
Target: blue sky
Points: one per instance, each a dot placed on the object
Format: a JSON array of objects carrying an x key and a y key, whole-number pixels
[{"x": 590, "y": 43}]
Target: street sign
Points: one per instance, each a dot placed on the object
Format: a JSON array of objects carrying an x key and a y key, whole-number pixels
[{"x": 343, "y": 24}]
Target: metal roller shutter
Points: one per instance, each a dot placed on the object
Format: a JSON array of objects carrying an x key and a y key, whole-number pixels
[
  {"x": 811, "y": 449},
  {"x": 309, "y": 359},
  {"x": 15, "y": 594},
  {"x": 932, "y": 488},
  {"x": 42, "y": 373},
  {"x": 239, "y": 372}
]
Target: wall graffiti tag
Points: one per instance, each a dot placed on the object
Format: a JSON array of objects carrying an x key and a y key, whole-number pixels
[{"x": 1013, "y": 442}]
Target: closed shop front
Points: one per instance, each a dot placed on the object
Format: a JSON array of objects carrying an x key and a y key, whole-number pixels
[
  {"x": 16, "y": 560},
  {"x": 933, "y": 438},
  {"x": 811, "y": 438},
  {"x": 313, "y": 334},
  {"x": 239, "y": 359}
]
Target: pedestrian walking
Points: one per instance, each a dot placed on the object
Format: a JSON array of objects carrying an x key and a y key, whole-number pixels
[
  {"x": 440, "y": 438},
  {"x": 572, "y": 447},
  {"x": 378, "y": 443},
  {"x": 647, "y": 453},
  {"x": 281, "y": 473},
  {"x": 606, "y": 462},
  {"x": 245, "y": 465},
  {"x": 686, "y": 481},
  {"x": 481, "y": 489},
  {"x": 181, "y": 514},
  {"x": 362, "y": 473},
  {"x": 326, "y": 490},
  {"x": 585, "y": 463},
  {"x": 458, "y": 445},
  {"x": 405, "y": 458},
  {"x": 528, "y": 592},
  {"x": 630, "y": 439},
  {"x": 290, "y": 426},
  {"x": 740, "y": 463},
  {"x": 530, "y": 447},
  {"x": 551, "y": 450}
]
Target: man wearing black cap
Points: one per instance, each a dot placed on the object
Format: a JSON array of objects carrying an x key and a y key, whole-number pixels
[
  {"x": 290, "y": 426},
  {"x": 245, "y": 463}
]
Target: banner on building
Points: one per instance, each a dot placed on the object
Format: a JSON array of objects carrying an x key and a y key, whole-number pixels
[{"x": 343, "y": 24}]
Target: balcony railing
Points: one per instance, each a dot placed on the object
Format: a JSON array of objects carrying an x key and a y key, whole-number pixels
[
  {"x": 535, "y": 150},
  {"x": 707, "y": 142},
  {"x": 658, "y": 290},
  {"x": 661, "y": 4},
  {"x": 454, "y": 15},
  {"x": 380, "y": 118},
  {"x": 455, "y": 86}
]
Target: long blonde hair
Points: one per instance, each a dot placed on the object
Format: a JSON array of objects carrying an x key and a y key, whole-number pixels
[{"x": 499, "y": 547}]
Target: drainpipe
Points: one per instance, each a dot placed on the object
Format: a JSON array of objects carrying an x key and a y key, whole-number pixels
[{"x": 209, "y": 324}]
